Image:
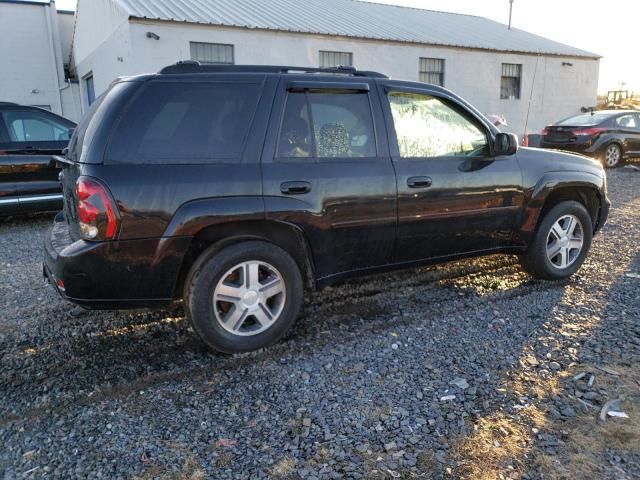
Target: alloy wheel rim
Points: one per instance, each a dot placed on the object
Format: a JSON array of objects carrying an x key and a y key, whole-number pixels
[
  {"x": 565, "y": 241},
  {"x": 612, "y": 156},
  {"x": 249, "y": 298}
]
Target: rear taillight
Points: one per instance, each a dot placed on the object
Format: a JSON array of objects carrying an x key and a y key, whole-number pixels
[
  {"x": 545, "y": 132},
  {"x": 590, "y": 132},
  {"x": 95, "y": 210}
]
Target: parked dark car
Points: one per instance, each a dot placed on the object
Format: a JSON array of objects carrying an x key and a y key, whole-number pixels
[
  {"x": 608, "y": 135},
  {"x": 29, "y": 136},
  {"x": 236, "y": 188}
]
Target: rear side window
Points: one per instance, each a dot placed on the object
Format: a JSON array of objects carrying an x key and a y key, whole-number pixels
[
  {"x": 327, "y": 125},
  {"x": 180, "y": 122},
  {"x": 627, "y": 121}
]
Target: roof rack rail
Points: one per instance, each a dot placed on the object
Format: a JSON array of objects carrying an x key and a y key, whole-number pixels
[{"x": 191, "y": 66}]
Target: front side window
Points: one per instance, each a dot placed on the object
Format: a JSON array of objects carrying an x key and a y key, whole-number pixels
[
  {"x": 327, "y": 125},
  {"x": 212, "y": 53},
  {"x": 511, "y": 81},
  {"x": 432, "y": 71},
  {"x": 30, "y": 126},
  {"x": 426, "y": 126},
  {"x": 185, "y": 122},
  {"x": 335, "y": 59}
]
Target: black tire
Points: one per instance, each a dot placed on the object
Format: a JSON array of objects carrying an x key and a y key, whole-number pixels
[
  {"x": 207, "y": 273},
  {"x": 612, "y": 156},
  {"x": 536, "y": 261}
]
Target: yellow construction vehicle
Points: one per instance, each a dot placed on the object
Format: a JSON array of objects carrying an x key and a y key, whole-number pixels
[{"x": 619, "y": 100}]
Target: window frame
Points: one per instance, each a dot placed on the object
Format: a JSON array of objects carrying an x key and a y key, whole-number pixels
[
  {"x": 442, "y": 72},
  {"x": 53, "y": 118},
  {"x": 231, "y": 45},
  {"x": 503, "y": 77},
  {"x": 459, "y": 105},
  {"x": 334, "y": 52},
  {"x": 322, "y": 87}
]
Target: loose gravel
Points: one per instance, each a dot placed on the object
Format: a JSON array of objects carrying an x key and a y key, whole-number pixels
[{"x": 393, "y": 376}]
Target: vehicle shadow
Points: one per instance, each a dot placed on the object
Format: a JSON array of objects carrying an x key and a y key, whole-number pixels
[{"x": 68, "y": 358}]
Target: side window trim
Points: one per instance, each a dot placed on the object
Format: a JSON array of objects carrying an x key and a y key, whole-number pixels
[
  {"x": 460, "y": 107},
  {"x": 303, "y": 86},
  {"x": 306, "y": 87}
]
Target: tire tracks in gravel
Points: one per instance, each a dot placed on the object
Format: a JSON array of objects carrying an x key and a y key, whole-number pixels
[{"x": 432, "y": 286}]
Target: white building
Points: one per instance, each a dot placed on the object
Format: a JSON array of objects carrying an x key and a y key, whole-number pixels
[
  {"x": 497, "y": 69},
  {"x": 35, "y": 48}
]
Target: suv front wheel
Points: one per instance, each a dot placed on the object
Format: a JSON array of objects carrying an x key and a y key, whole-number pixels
[
  {"x": 243, "y": 297},
  {"x": 560, "y": 243}
]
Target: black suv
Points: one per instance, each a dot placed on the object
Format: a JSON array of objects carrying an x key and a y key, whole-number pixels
[
  {"x": 28, "y": 175},
  {"x": 234, "y": 188}
]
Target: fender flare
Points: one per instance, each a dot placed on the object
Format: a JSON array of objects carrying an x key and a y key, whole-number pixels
[{"x": 552, "y": 182}]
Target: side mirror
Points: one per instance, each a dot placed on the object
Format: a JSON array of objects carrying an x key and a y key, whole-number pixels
[{"x": 506, "y": 144}]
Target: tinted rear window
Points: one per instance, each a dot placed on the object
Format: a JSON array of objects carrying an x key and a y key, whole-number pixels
[
  {"x": 585, "y": 119},
  {"x": 184, "y": 122}
]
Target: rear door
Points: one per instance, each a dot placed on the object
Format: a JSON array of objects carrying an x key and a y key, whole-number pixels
[
  {"x": 326, "y": 169},
  {"x": 32, "y": 137},
  {"x": 629, "y": 126},
  {"x": 454, "y": 195}
]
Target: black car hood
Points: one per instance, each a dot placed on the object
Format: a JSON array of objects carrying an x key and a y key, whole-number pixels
[{"x": 555, "y": 160}]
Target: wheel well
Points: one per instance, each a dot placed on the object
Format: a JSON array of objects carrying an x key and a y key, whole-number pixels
[
  {"x": 216, "y": 237},
  {"x": 588, "y": 197}
]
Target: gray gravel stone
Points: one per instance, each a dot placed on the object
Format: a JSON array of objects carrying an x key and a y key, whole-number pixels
[{"x": 325, "y": 401}]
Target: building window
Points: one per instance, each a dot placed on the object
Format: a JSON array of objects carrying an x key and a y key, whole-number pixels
[
  {"x": 335, "y": 59},
  {"x": 511, "y": 81},
  {"x": 212, "y": 53},
  {"x": 90, "y": 89},
  {"x": 432, "y": 71}
]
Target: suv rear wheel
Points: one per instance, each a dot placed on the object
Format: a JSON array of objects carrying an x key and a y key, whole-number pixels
[
  {"x": 612, "y": 155},
  {"x": 561, "y": 242},
  {"x": 243, "y": 297}
]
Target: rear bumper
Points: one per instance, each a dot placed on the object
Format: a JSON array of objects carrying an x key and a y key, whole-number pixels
[{"x": 112, "y": 275}]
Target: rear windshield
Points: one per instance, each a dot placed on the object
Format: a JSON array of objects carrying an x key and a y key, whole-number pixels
[
  {"x": 185, "y": 122},
  {"x": 585, "y": 119}
]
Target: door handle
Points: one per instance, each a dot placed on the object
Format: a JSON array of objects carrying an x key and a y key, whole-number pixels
[
  {"x": 295, "y": 188},
  {"x": 419, "y": 182}
]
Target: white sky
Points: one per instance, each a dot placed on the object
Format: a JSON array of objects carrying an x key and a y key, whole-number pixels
[{"x": 609, "y": 28}]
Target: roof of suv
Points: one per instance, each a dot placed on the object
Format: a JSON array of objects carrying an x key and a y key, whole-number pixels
[{"x": 190, "y": 66}]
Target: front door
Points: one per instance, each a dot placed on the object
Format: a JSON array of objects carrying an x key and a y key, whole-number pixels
[
  {"x": 29, "y": 174},
  {"x": 454, "y": 195},
  {"x": 325, "y": 170}
]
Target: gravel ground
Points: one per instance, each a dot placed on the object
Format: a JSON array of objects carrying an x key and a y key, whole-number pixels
[{"x": 471, "y": 369}]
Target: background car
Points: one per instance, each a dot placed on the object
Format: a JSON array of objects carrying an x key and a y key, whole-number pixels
[
  {"x": 29, "y": 136},
  {"x": 609, "y": 135}
]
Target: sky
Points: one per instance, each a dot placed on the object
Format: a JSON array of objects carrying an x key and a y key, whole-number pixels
[{"x": 608, "y": 28}]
